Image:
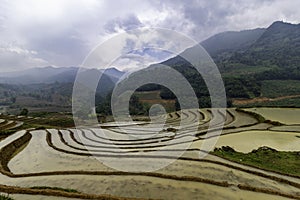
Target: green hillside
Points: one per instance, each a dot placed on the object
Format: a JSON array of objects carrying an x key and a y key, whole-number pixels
[{"x": 253, "y": 63}]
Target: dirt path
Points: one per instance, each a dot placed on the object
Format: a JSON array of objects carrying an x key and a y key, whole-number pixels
[{"x": 261, "y": 99}]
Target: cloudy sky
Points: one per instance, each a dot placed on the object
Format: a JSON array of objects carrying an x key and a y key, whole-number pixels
[{"x": 36, "y": 33}]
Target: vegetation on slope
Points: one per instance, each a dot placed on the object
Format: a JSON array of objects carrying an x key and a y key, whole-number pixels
[
  {"x": 264, "y": 158},
  {"x": 55, "y": 188},
  {"x": 278, "y": 46},
  {"x": 278, "y": 88},
  {"x": 5, "y": 197},
  {"x": 270, "y": 54}
]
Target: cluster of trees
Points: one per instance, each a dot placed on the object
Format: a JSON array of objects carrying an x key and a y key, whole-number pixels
[
  {"x": 103, "y": 106},
  {"x": 136, "y": 107},
  {"x": 24, "y": 112}
]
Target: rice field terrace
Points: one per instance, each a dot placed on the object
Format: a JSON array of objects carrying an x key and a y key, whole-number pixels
[{"x": 257, "y": 156}]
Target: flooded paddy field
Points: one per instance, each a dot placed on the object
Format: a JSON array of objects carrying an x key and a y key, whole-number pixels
[{"x": 69, "y": 158}]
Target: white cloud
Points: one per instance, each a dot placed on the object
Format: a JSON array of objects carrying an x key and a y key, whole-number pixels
[
  {"x": 16, "y": 58},
  {"x": 62, "y": 32}
]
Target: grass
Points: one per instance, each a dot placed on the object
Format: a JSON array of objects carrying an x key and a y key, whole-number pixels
[
  {"x": 57, "y": 122},
  {"x": 264, "y": 158},
  {"x": 54, "y": 119},
  {"x": 55, "y": 188},
  {"x": 19, "y": 150},
  {"x": 25, "y": 126},
  {"x": 7, "y": 132},
  {"x": 5, "y": 197},
  {"x": 49, "y": 120}
]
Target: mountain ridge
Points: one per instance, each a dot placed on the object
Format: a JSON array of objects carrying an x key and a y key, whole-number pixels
[
  {"x": 51, "y": 74},
  {"x": 274, "y": 54},
  {"x": 251, "y": 64}
]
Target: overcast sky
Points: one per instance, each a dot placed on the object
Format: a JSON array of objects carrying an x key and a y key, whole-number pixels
[{"x": 36, "y": 33}]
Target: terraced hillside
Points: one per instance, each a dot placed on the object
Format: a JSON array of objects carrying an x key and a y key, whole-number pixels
[{"x": 68, "y": 158}]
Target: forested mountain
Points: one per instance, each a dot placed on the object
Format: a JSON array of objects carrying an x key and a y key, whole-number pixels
[
  {"x": 221, "y": 46},
  {"x": 248, "y": 60},
  {"x": 279, "y": 46}
]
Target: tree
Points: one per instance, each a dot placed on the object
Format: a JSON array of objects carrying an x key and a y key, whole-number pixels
[
  {"x": 13, "y": 99},
  {"x": 24, "y": 112},
  {"x": 135, "y": 107}
]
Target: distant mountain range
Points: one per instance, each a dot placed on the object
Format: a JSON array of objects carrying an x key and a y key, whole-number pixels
[
  {"x": 50, "y": 87},
  {"x": 51, "y": 74}
]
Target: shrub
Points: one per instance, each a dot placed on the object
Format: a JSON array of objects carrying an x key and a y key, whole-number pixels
[
  {"x": 24, "y": 112},
  {"x": 5, "y": 197}
]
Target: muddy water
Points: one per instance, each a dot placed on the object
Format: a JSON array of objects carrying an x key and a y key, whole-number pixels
[
  {"x": 286, "y": 128},
  {"x": 142, "y": 187},
  {"x": 283, "y": 115},
  {"x": 39, "y": 157},
  {"x": 44, "y": 158},
  {"x": 240, "y": 118},
  {"x": 249, "y": 140}
]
